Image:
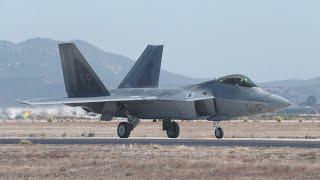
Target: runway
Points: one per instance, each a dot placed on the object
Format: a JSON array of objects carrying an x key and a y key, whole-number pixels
[{"x": 293, "y": 143}]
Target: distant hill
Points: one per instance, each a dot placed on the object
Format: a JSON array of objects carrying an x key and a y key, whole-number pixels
[
  {"x": 32, "y": 69},
  {"x": 295, "y": 90}
]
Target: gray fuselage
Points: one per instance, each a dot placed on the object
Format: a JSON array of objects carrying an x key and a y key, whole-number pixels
[{"x": 229, "y": 101}]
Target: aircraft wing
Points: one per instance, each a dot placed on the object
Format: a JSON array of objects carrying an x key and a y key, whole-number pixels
[{"x": 112, "y": 98}]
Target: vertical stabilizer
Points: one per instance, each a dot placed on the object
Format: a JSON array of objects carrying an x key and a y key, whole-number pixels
[
  {"x": 79, "y": 78},
  {"x": 146, "y": 71}
]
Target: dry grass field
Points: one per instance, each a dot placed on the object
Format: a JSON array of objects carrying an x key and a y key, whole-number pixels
[
  {"x": 156, "y": 162},
  {"x": 194, "y": 129},
  {"x": 28, "y": 161}
]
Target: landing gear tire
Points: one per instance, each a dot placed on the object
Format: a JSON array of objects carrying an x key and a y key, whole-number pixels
[
  {"x": 173, "y": 130},
  {"x": 124, "y": 129},
  {"x": 219, "y": 133}
]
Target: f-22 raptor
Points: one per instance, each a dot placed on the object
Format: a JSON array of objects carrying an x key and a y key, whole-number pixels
[{"x": 138, "y": 96}]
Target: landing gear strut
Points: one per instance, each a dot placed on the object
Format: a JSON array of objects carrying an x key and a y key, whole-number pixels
[
  {"x": 172, "y": 128},
  {"x": 125, "y": 128},
  {"x": 218, "y": 131}
]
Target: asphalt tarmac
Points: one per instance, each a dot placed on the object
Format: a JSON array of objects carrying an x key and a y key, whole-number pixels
[{"x": 293, "y": 143}]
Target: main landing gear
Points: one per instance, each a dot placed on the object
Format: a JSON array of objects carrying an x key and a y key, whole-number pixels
[
  {"x": 172, "y": 128},
  {"x": 125, "y": 128},
  {"x": 218, "y": 131}
]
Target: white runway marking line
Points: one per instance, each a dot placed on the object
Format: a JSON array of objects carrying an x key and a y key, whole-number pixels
[{"x": 163, "y": 138}]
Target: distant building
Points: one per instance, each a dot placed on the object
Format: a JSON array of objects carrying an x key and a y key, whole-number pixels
[
  {"x": 3, "y": 114},
  {"x": 42, "y": 112}
]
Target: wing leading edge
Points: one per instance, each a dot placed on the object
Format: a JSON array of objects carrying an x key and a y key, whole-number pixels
[{"x": 111, "y": 98}]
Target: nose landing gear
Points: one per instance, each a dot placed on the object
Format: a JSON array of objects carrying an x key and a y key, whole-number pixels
[{"x": 218, "y": 131}]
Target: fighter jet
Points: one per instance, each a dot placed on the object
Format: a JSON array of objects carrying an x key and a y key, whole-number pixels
[{"x": 138, "y": 96}]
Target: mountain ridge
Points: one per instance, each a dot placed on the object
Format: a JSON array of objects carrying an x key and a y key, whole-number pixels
[
  {"x": 32, "y": 69},
  {"x": 34, "y": 64}
]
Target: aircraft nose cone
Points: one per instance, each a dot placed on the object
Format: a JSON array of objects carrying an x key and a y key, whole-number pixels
[{"x": 277, "y": 102}]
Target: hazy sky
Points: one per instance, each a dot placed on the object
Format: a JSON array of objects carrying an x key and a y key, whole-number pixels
[{"x": 265, "y": 39}]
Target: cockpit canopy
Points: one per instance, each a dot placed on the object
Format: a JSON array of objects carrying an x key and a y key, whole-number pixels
[{"x": 237, "y": 80}]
